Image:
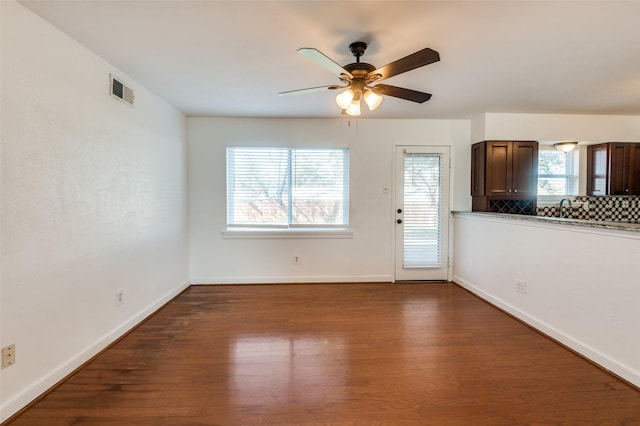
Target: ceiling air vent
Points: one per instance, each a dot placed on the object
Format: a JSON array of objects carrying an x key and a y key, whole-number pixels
[{"x": 120, "y": 91}]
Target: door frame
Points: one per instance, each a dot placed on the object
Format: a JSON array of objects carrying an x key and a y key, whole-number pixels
[{"x": 448, "y": 238}]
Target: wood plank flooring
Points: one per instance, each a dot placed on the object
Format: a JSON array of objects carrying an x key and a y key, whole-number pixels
[{"x": 336, "y": 354}]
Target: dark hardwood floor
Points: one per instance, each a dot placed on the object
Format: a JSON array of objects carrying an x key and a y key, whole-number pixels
[{"x": 336, "y": 354}]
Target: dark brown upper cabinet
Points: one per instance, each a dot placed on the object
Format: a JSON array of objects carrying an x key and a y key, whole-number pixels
[
  {"x": 502, "y": 171},
  {"x": 613, "y": 168}
]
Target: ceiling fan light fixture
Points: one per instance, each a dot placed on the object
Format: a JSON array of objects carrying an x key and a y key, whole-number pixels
[
  {"x": 354, "y": 108},
  {"x": 565, "y": 146},
  {"x": 344, "y": 99},
  {"x": 356, "y": 78},
  {"x": 373, "y": 100}
]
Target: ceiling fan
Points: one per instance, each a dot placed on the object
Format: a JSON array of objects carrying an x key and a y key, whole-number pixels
[{"x": 358, "y": 78}]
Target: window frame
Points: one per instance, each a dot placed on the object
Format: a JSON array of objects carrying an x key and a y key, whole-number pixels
[
  {"x": 571, "y": 174},
  {"x": 290, "y": 229}
]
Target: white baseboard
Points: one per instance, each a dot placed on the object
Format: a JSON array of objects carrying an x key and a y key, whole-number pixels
[
  {"x": 21, "y": 400},
  {"x": 292, "y": 279},
  {"x": 580, "y": 347}
]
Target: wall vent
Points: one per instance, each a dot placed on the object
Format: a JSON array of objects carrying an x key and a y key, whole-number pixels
[{"x": 121, "y": 91}]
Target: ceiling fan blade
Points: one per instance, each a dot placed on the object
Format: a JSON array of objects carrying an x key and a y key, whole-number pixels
[
  {"x": 399, "y": 92},
  {"x": 321, "y": 59},
  {"x": 415, "y": 60},
  {"x": 309, "y": 90}
]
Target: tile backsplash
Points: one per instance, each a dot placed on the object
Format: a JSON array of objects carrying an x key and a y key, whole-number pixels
[{"x": 609, "y": 208}]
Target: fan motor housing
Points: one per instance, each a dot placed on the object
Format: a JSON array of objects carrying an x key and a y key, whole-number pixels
[
  {"x": 359, "y": 68},
  {"x": 360, "y": 72}
]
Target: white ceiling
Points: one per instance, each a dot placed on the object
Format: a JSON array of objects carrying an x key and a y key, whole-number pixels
[{"x": 231, "y": 58}]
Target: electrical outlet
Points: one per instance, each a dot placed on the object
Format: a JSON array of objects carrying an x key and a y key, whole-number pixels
[
  {"x": 119, "y": 297},
  {"x": 8, "y": 356},
  {"x": 296, "y": 260},
  {"x": 521, "y": 286}
]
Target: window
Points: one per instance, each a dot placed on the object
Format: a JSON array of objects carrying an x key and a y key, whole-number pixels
[
  {"x": 287, "y": 188},
  {"x": 557, "y": 173}
]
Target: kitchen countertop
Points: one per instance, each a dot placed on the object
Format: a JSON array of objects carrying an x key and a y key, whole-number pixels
[{"x": 623, "y": 226}]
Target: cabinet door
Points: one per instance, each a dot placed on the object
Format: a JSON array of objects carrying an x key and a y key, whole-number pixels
[
  {"x": 634, "y": 169},
  {"x": 597, "y": 169},
  {"x": 499, "y": 169},
  {"x": 525, "y": 169},
  {"x": 619, "y": 169}
]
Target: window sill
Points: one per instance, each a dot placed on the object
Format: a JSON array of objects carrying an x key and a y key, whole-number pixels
[{"x": 287, "y": 233}]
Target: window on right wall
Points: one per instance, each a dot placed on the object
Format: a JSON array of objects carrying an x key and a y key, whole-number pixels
[{"x": 557, "y": 174}]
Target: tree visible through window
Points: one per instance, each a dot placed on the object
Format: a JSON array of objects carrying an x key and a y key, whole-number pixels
[
  {"x": 557, "y": 172},
  {"x": 287, "y": 187}
]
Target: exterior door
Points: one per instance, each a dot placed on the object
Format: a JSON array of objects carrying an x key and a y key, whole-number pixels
[{"x": 421, "y": 213}]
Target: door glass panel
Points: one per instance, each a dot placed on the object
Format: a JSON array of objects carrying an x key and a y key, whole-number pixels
[{"x": 422, "y": 218}]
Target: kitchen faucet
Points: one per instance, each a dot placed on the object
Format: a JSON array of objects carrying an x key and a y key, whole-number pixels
[{"x": 569, "y": 209}]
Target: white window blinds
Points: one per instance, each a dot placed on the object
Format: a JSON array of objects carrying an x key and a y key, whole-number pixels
[
  {"x": 557, "y": 172},
  {"x": 422, "y": 218},
  {"x": 287, "y": 187}
]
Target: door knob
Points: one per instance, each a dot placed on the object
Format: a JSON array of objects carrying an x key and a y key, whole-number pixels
[{"x": 399, "y": 220}]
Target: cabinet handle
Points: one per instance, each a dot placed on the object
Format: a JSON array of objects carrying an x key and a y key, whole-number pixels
[
  {"x": 515, "y": 190},
  {"x": 508, "y": 190},
  {"x": 399, "y": 221}
]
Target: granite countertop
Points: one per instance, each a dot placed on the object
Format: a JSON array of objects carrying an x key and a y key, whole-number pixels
[{"x": 624, "y": 226}]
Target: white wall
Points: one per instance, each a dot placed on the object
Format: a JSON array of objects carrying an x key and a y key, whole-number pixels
[
  {"x": 582, "y": 283},
  {"x": 365, "y": 257},
  {"x": 477, "y": 129},
  {"x": 558, "y": 127},
  {"x": 94, "y": 200}
]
